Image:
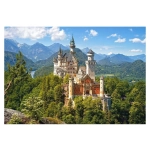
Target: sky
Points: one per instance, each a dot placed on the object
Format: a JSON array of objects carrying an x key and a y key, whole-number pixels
[{"x": 129, "y": 40}]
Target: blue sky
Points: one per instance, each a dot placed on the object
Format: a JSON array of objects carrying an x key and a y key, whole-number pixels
[{"x": 105, "y": 40}]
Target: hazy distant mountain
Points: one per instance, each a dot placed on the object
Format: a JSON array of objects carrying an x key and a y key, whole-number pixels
[
  {"x": 105, "y": 61},
  {"x": 39, "y": 52},
  {"x": 115, "y": 59},
  {"x": 24, "y": 48},
  {"x": 120, "y": 58},
  {"x": 11, "y": 45},
  {"x": 85, "y": 50},
  {"x": 138, "y": 57},
  {"x": 97, "y": 57},
  {"x": 56, "y": 46}
]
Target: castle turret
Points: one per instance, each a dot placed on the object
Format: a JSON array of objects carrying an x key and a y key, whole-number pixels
[
  {"x": 72, "y": 45},
  {"x": 102, "y": 87},
  {"x": 59, "y": 57},
  {"x": 90, "y": 65},
  {"x": 71, "y": 88}
]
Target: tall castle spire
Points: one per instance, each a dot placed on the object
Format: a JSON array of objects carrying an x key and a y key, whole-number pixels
[
  {"x": 60, "y": 51},
  {"x": 72, "y": 44}
]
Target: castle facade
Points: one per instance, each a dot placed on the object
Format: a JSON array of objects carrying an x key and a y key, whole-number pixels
[{"x": 81, "y": 78}]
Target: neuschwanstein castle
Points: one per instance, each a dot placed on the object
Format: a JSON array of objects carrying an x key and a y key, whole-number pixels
[{"x": 82, "y": 78}]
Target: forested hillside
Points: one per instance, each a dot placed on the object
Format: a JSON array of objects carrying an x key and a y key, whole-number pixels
[
  {"x": 130, "y": 71},
  {"x": 42, "y": 100},
  {"x": 10, "y": 58}
]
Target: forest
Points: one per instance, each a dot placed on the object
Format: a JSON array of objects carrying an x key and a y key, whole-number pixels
[{"x": 42, "y": 99}]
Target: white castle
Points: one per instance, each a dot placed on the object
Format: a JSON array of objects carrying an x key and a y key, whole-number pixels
[{"x": 82, "y": 78}]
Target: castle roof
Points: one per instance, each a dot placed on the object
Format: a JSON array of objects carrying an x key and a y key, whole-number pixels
[
  {"x": 60, "y": 51},
  {"x": 71, "y": 57},
  {"x": 72, "y": 42},
  {"x": 90, "y": 52}
]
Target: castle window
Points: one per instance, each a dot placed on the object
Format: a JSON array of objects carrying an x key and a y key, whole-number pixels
[{"x": 87, "y": 91}]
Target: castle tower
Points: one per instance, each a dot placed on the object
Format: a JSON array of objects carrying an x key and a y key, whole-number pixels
[
  {"x": 102, "y": 87},
  {"x": 71, "y": 88},
  {"x": 90, "y": 65},
  {"x": 55, "y": 65},
  {"x": 59, "y": 57},
  {"x": 72, "y": 45}
]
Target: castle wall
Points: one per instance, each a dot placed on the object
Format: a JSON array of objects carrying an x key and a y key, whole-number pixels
[
  {"x": 96, "y": 89},
  {"x": 90, "y": 69},
  {"x": 78, "y": 89}
]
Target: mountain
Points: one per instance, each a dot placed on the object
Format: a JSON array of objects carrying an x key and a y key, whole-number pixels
[
  {"x": 115, "y": 59},
  {"x": 34, "y": 52},
  {"x": 120, "y": 58},
  {"x": 56, "y": 46},
  {"x": 136, "y": 69},
  {"x": 10, "y": 58},
  {"x": 127, "y": 70},
  {"x": 24, "y": 48},
  {"x": 11, "y": 45},
  {"x": 85, "y": 50},
  {"x": 139, "y": 57},
  {"x": 105, "y": 61},
  {"x": 97, "y": 57},
  {"x": 39, "y": 52},
  {"x": 49, "y": 62}
]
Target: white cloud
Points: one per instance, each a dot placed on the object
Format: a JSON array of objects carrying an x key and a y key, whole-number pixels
[
  {"x": 119, "y": 40},
  {"x": 131, "y": 29},
  {"x": 110, "y": 53},
  {"x": 136, "y": 50},
  {"x": 85, "y": 38},
  {"x": 137, "y": 40},
  {"x": 86, "y": 31},
  {"x": 25, "y": 32},
  {"x": 34, "y": 33},
  {"x": 112, "y": 35},
  {"x": 56, "y": 33},
  {"x": 93, "y": 33},
  {"x": 144, "y": 41}
]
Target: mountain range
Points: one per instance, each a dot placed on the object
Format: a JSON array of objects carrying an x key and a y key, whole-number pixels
[
  {"x": 43, "y": 55},
  {"x": 34, "y": 52}
]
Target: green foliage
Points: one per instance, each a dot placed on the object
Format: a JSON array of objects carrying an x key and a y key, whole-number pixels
[
  {"x": 54, "y": 109},
  {"x": 137, "y": 113},
  {"x": 110, "y": 84},
  {"x": 58, "y": 94},
  {"x": 17, "y": 83},
  {"x": 120, "y": 111},
  {"x": 43, "y": 97},
  {"x": 66, "y": 79},
  {"x": 15, "y": 119},
  {"x": 43, "y": 71},
  {"x": 33, "y": 107}
]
